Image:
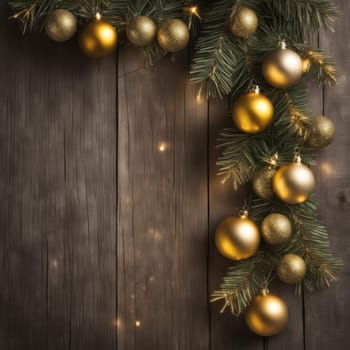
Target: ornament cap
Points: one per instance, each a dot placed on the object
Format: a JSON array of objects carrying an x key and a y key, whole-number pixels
[
  {"x": 255, "y": 88},
  {"x": 297, "y": 158},
  {"x": 283, "y": 44},
  {"x": 244, "y": 213},
  {"x": 265, "y": 291},
  {"x": 98, "y": 16}
]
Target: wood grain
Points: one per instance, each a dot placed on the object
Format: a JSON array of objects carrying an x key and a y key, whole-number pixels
[
  {"x": 162, "y": 207},
  {"x": 327, "y": 315},
  {"x": 110, "y": 200},
  {"x": 58, "y": 195}
]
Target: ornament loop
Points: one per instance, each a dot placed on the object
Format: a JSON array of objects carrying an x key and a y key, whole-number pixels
[
  {"x": 274, "y": 161},
  {"x": 255, "y": 88},
  {"x": 297, "y": 156},
  {"x": 265, "y": 290},
  {"x": 283, "y": 44},
  {"x": 244, "y": 212}
]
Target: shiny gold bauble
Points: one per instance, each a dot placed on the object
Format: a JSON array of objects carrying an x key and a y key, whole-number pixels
[
  {"x": 322, "y": 132},
  {"x": 60, "y": 25},
  {"x": 173, "y": 35},
  {"x": 291, "y": 269},
  {"x": 293, "y": 183},
  {"x": 262, "y": 182},
  {"x": 98, "y": 38},
  {"x": 244, "y": 23},
  {"x": 267, "y": 315},
  {"x": 306, "y": 64},
  {"x": 276, "y": 229},
  {"x": 282, "y": 68},
  {"x": 237, "y": 238},
  {"x": 252, "y": 113},
  {"x": 141, "y": 31}
]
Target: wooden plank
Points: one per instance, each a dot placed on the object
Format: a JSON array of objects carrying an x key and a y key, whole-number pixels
[
  {"x": 162, "y": 207},
  {"x": 58, "y": 195},
  {"x": 327, "y": 311},
  {"x": 227, "y": 331}
]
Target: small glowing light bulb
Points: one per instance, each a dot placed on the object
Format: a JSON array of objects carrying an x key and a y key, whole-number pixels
[
  {"x": 162, "y": 147},
  {"x": 137, "y": 323}
]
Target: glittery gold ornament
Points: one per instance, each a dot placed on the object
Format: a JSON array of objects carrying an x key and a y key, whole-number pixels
[
  {"x": 306, "y": 64},
  {"x": 291, "y": 269},
  {"x": 244, "y": 22},
  {"x": 141, "y": 31},
  {"x": 321, "y": 134},
  {"x": 237, "y": 237},
  {"x": 282, "y": 68},
  {"x": 267, "y": 314},
  {"x": 98, "y": 38},
  {"x": 60, "y": 25},
  {"x": 253, "y": 112},
  {"x": 276, "y": 229},
  {"x": 173, "y": 35},
  {"x": 262, "y": 182},
  {"x": 293, "y": 183}
]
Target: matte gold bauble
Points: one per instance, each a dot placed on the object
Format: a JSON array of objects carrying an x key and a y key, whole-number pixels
[
  {"x": 306, "y": 64},
  {"x": 173, "y": 35},
  {"x": 237, "y": 238},
  {"x": 282, "y": 68},
  {"x": 98, "y": 38},
  {"x": 141, "y": 31},
  {"x": 60, "y": 25},
  {"x": 293, "y": 183},
  {"x": 244, "y": 23},
  {"x": 291, "y": 269},
  {"x": 267, "y": 315},
  {"x": 262, "y": 182},
  {"x": 322, "y": 132},
  {"x": 276, "y": 229},
  {"x": 252, "y": 113}
]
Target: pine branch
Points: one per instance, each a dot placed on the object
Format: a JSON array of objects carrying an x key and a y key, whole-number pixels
[{"x": 243, "y": 282}]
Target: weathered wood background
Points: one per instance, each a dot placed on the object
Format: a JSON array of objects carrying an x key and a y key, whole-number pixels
[{"x": 109, "y": 202}]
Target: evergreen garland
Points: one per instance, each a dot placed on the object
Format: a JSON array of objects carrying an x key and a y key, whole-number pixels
[{"x": 224, "y": 64}]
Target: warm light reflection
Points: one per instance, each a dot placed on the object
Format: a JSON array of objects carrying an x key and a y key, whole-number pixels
[
  {"x": 137, "y": 323},
  {"x": 54, "y": 263},
  {"x": 327, "y": 169},
  {"x": 162, "y": 147},
  {"x": 117, "y": 322},
  {"x": 151, "y": 279},
  {"x": 154, "y": 233},
  {"x": 194, "y": 11}
]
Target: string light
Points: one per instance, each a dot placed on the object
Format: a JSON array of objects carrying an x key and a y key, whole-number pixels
[
  {"x": 137, "y": 323},
  {"x": 162, "y": 147}
]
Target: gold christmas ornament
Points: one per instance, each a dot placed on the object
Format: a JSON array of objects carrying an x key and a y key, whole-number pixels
[
  {"x": 60, "y": 25},
  {"x": 276, "y": 229},
  {"x": 267, "y": 314},
  {"x": 244, "y": 22},
  {"x": 262, "y": 182},
  {"x": 253, "y": 112},
  {"x": 98, "y": 38},
  {"x": 291, "y": 269},
  {"x": 237, "y": 238},
  {"x": 322, "y": 133},
  {"x": 173, "y": 35},
  {"x": 282, "y": 68},
  {"x": 141, "y": 31},
  {"x": 293, "y": 183},
  {"x": 306, "y": 64}
]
